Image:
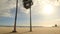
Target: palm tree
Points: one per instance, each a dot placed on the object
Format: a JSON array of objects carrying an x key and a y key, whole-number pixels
[
  {"x": 27, "y": 4},
  {"x": 15, "y": 16}
]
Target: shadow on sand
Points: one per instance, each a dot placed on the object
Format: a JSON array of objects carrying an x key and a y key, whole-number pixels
[{"x": 16, "y": 32}]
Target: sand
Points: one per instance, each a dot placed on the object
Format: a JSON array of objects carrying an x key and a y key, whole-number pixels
[{"x": 41, "y": 30}]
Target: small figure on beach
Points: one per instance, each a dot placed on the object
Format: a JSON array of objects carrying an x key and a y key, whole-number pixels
[{"x": 55, "y": 25}]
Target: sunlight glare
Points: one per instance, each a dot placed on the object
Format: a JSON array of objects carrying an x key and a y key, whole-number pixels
[{"x": 48, "y": 9}]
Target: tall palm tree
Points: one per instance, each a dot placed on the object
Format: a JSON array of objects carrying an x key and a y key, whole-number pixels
[
  {"x": 27, "y": 4},
  {"x": 15, "y": 16}
]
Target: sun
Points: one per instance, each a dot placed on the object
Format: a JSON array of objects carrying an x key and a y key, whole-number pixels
[{"x": 48, "y": 9}]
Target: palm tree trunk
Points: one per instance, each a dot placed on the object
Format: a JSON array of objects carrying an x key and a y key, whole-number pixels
[{"x": 15, "y": 16}]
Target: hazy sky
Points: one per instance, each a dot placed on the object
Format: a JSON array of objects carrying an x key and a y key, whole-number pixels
[{"x": 44, "y": 13}]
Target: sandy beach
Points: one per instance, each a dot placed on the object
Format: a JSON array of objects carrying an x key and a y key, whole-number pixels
[{"x": 41, "y": 30}]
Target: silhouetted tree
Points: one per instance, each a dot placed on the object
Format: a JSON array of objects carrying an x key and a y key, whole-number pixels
[{"x": 27, "y": 4}]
